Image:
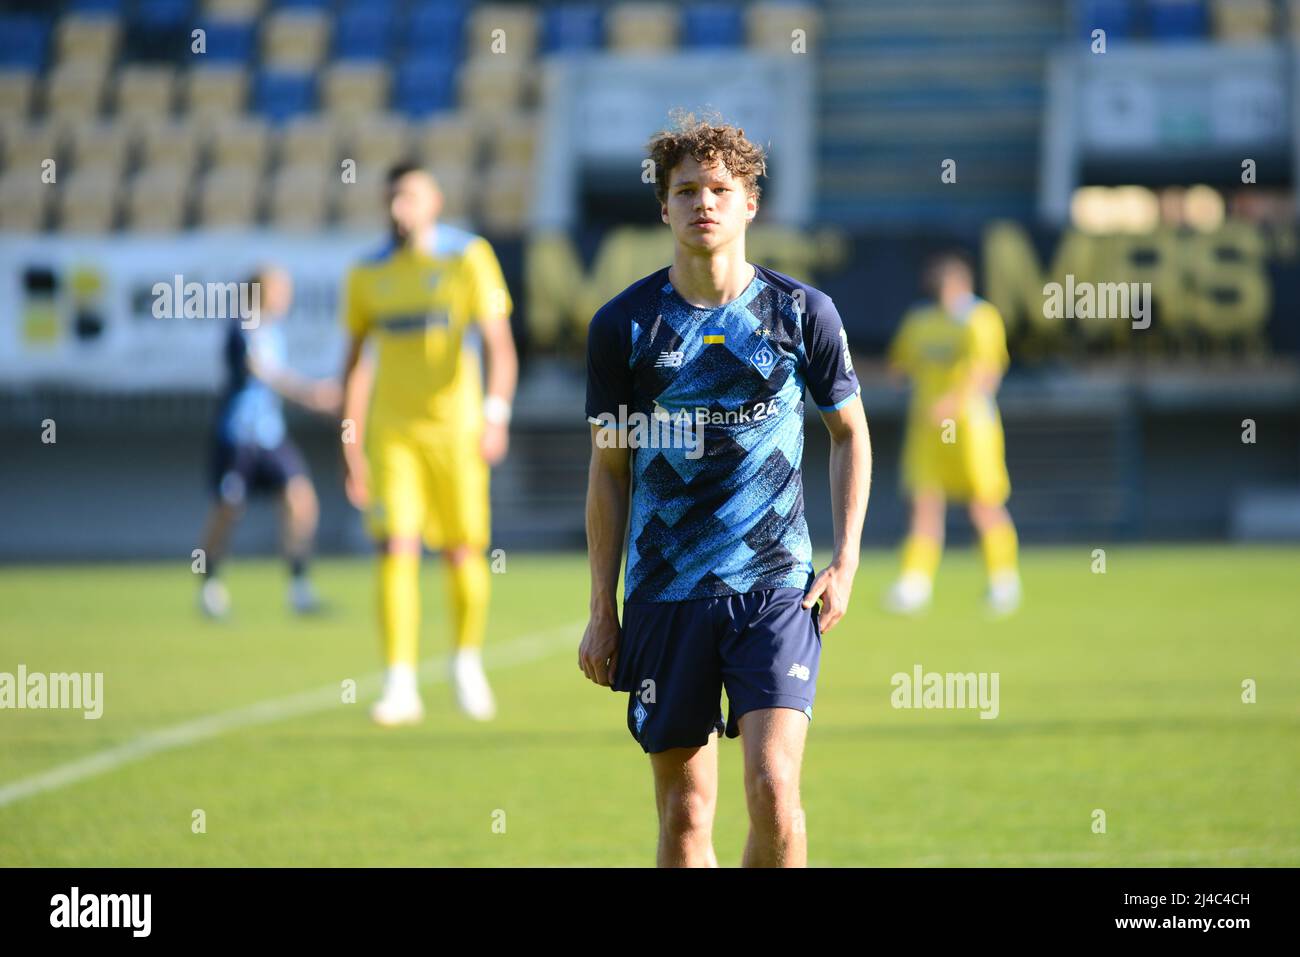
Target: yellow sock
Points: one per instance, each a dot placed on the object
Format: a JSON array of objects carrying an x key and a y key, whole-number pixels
[
  {"x": 470, "y": 583},
  {"x": 399, "y": 608},
  {"x": 921, "y": 556},
  {"x": 1001, "y": 549}
]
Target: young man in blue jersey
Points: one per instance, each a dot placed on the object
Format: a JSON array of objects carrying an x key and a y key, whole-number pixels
[
  {"x": 251, "y": 450},
  {"x": 719, "y": 590}
]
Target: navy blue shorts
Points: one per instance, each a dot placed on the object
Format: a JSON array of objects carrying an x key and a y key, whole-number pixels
[
  {"x": 242, "y": 470},
  {"x": 675, "y": 658}
]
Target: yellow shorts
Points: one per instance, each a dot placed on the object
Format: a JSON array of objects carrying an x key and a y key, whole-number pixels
[
  {"x": 434, "y": 485},
  {"x": 972, "y": 468}
]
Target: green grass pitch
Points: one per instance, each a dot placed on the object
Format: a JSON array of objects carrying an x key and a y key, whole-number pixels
[{"x": 1119, "y": 691}]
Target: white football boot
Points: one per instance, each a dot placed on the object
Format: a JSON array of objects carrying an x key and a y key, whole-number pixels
[
  {"x": 1004, "y": 594},
  {"x": 214, "y": 599},
  {"x": 909, "y": 595},
  {"x": 473, "y": 693},
  {"x": 400, "y": 703}
]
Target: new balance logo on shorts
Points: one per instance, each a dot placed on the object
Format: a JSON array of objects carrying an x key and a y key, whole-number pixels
[
  {"x": 670, "y": 360},
  {"x": 799, "y": 671}
]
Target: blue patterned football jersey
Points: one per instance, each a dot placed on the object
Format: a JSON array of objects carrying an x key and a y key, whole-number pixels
[{"x": 712, "y": 402}]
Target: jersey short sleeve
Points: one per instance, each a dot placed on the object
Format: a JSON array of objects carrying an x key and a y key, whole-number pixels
[
  {"x": 488, "y": 293},
  {"x": 900, "y": 349},
  {"x": 609, "y": 375},
  {"x": 988, "y": 339},
  {"x": 831, "y": 379},
  {"x": 356, "y": 316}
]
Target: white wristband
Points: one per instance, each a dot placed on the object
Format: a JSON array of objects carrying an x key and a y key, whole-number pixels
[{"x": 496, "y": 410}]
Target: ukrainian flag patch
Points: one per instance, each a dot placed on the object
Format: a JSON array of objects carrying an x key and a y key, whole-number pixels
[{"x": 715, "y": 335}]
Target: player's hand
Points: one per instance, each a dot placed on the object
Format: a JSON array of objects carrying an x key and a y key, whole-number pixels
[
  {"x": 833, "y": 587},
  {"x": 495, "y": 442},
  {"x": 945, "y": 407},
  {"x": 356, "y": 482},
  {"x": 598, "y": 653}
]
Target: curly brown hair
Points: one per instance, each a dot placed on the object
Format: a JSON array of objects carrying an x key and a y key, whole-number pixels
[{"x": 705, "y": 140}]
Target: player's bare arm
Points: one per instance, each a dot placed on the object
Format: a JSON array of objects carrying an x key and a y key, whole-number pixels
[
  {"x": 850, "y": 488},
  {"x": 357, "y": 375},
  {"x": 609, "y": 485},
  {"x": 324, "y": 397},
  {"x": 502, "y": 374},
  {"x": 982, "y": 380}
]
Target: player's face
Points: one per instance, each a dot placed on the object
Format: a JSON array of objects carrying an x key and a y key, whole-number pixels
[
  {"x": 275, "y": 294},
  {"x": 707, "y": 207},
  {"x": 413, "y": 204}
]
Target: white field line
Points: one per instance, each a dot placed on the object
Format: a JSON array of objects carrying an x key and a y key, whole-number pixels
[{"x": 522, "y": 650}]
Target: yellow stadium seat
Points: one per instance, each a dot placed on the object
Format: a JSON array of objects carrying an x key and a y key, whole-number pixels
[
  {"x": 157, "y": 200},
  {"x": 642, "y": 27},
  {"x": 506, "y": 200},
  {"x": 74, "y": 91},
  {"x": 172, "y": 144},
  {"x": 489, "y": 85},
  {"x": 28, "y": 145},
  {"x": 145, "y": 91},
  {"x": 241, "y": 142},
  {"x": 771, "y": 26},
  {"x": 216, "y": 91},
  {"x": 447, "y": 139},
  {"x": 23, "y": 200},
  {"x": 494, "y": 24},
  {"x": 299, "y": 197},
  {"x": 361, "y": 204},
  {"x": 88, "y": 39},
  {"x": 88, "y": 202},
  {"x": 351, "y": 89},
  {"x": 295, "y": 39},
  {"x": 512, "y": 139},
  {"x": 307, "y": 140},
  {"x": 457, "y": 186},
  {"x": 232, "y": 9},
  {"x": 1242, "y": 20},
  {"x": 228, "y": 196},
  {"x": 103, "y": 147},
  {"x": 16, "y": 87},
  {"x": 376, "y": 143}
]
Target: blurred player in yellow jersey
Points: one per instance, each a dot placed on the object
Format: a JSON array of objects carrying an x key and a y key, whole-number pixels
[
  {"x": 954, "y": 351},
  {"x": 424, "y": 433}
]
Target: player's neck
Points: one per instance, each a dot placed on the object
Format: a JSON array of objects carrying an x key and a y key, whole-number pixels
[
  {"x": 418, "y": 241},
  {"x": 712, "y": 279}
]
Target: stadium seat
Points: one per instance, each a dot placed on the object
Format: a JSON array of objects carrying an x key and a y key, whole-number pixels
[
  {"x": 113, "y": 7},
  {"x": 157, "y": 200},
  {"x": 145, "y": 91},
  {"x": 1242, "y": 20},
  {"x": 447, "y": 139},
  {"x": 74, "y": 91},
  {"x": 233, "y": 9},
  {"x": 228, "y": 196},
  {"x": 361, "y": 204},
  {"x": 457, "y": 185},
  {"x": 350, "y": 88},
  {"x": 294, "y": 39},
  {"x": 280, "y": 95},
  {"x": 712, "y": 26},
  {"x": 505, "y": 200},
  {"x": 100, "y": 146},
  {"x": 170, "y": 144},
  {"x": 16, "y": 86},
  {"x": 161, "y": 13},
  {"x": 364, "y": 34},
  {"x": 424, "y": 87},
  {"x": 490, "y": 85},
  {"x": 643, "y": 27},
  {"x": 24, "y": 200},
  {"x": 87, "y": 38},
  {"x": 572, "y": 27},
  {"x": 241, "y": 141},
  {"x": 228, "y": 41},
  {"x": 770, "y": 25},
  {"x": 435, "y": 29},
  {"x": 24, "y": 42},
  {"x": 298, "y": 197},
  {"x": 511, "y": 139},
  {"x": 1114, "y": 16},
  {"x": 27, "y": 145},
  {"x": 376, "y": 142},
  {"x": 308, "y": 140},
  {"x": 216, "y": 91},
  {"x": 1177, "y": 19},
  {"x": 87, "y": 202},
  {"x": 519, "y": 31}
]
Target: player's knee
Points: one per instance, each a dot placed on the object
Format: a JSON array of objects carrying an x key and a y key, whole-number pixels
[
  {"x": 458, "y": 554},
  {"x": 772, "y": 793},
  {"x": 398, "y": 545},
  {"x": 686, "y": 812}
]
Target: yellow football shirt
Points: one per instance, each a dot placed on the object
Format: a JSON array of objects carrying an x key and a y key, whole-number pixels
[
  {"x": 938, "y": 351},
  {"x": 419, "y": 308}
]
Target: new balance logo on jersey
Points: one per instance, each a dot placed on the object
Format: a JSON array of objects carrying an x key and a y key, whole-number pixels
[
  {"x": 670, "y": 360},
  {"x": 799, "y": 671},
  {"x": 844, "y": 345}
]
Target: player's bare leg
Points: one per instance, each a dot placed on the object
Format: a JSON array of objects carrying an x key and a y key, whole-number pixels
[
  {"x": 921, "y": 552},
  {"x": 214, "y": 599},
  {"x": 299, "y": 514},
  {"x": 998, "y": 540},
  {"x": 399, "y": 625},
  {"x": 686, "y": 795},
  {"x": 773, "y": 741},
  {"x": 469, "y": 581}
]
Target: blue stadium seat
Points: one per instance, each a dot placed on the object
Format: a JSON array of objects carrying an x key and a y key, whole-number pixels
[
  {"x": 386, "y": 7},
  {"x": 161, "y": 13},
  {"x": 363, "y": 34},
  {"x": 425, "y": 86},
  {"x": 95, "y": 6},
  {"x": 707, "y": 25},
  {"x": 229, "y": 41},
  {"x": 435, "y": 28},
  {"x": 24, "y": 41},
  {"x": 1177, "y": 19},
  {"x": 281, "y": 94},
  {"x": 573, "y": 26},
  {"x": 1114, "y": 16},
  {"x": 302, "y": 4}
]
